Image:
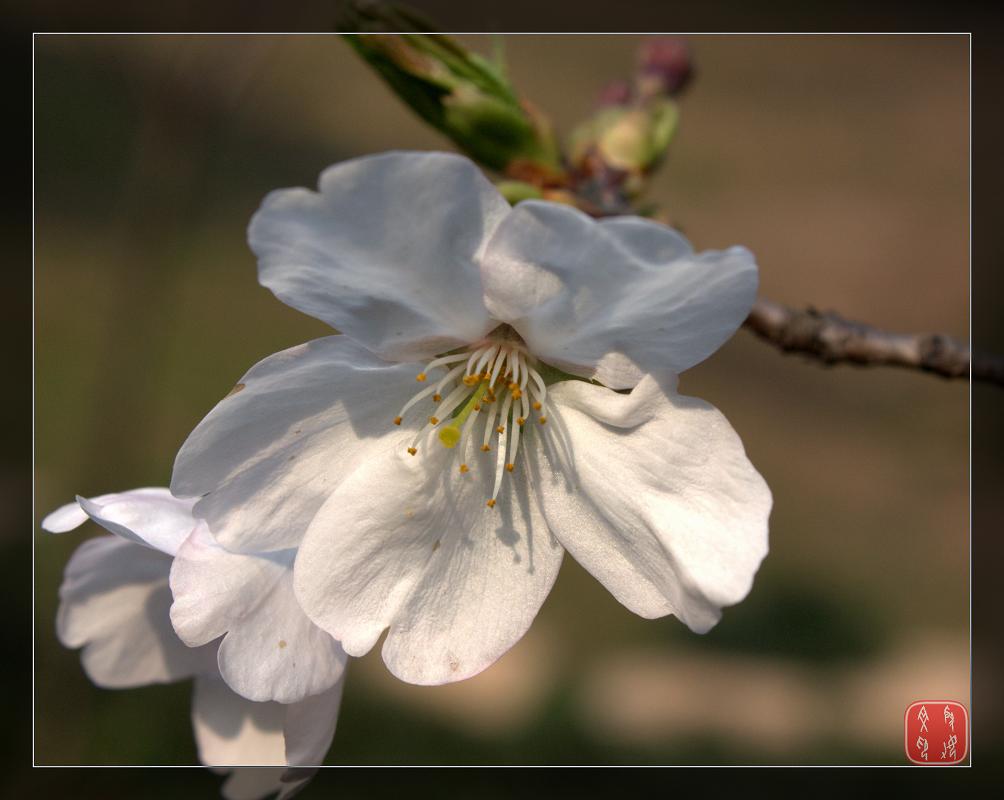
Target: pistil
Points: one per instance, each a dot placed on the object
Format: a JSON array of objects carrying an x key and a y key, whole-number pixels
[{"x": 450, "y": 435}]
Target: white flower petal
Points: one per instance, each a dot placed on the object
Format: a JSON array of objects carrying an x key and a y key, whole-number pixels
[
  {"x": 233, "y": 731},
  {"x": 408, "y": 542},
  {"x": 310, "y": 726},
  {"x": 652, "y": 492},
  {"x": 385, "y": 252},
  {"x": 271, "y": 452},
  {"x": 252, "y": 783},
  {"x": 613, "y": 299},
  {"x": 65, "y": 518},
  {"x": 271, "y": 650},
  {"x": 114, "y": 603},
  {"x": 151, "y": 517}
]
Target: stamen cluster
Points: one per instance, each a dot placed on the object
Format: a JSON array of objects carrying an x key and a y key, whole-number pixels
[{"x": 493, "y": 384}]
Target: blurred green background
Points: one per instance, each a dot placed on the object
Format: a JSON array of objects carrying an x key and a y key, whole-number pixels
[{"x": 841, "y": 161}]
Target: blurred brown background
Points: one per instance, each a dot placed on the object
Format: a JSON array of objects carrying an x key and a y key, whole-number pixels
[{"x": 841, "y": 161}]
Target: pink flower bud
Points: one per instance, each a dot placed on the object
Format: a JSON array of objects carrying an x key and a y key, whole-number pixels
[{"x": 665, "y": 65}]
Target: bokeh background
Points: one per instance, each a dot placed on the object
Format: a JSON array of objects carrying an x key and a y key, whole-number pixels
[{"x": 841, "y": 161}]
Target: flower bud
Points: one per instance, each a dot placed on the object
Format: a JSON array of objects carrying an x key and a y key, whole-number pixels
[
  {"x": 465, "y": 97},
  {"x": 631, "y": 139},
  {"x": 665, "y": 66}
]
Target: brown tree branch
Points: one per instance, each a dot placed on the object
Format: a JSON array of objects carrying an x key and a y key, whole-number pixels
[{"x": 828, "y": 337}]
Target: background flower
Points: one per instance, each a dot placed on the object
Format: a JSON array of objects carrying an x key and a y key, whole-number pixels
[{"x": 115, "y": 603}]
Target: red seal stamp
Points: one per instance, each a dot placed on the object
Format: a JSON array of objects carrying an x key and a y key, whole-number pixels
[{"x": 937, "y": 732}]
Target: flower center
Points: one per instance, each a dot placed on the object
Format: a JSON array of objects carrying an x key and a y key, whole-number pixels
[{"x": 490, "y": 390}]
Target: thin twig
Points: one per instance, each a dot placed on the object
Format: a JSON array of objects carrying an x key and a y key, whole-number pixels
[{"x": 832, "y": 339}]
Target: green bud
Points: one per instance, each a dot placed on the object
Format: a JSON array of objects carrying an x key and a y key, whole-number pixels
[
  {"x": 632, "y": 139},
  {"x": 464, "y": 96}
]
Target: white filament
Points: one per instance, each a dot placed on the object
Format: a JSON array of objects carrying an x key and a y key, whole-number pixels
[{"x": 514, "y": 386}]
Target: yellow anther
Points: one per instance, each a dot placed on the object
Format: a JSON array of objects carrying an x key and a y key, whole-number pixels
[
  {"x": 433, "y": 420},
  {"x": 490, "y": 503},
  {"x": 477, "y": 407},
  {"x": 517, "y": 393},
  {"x": 520, "y": 420},
  {"x": 471, "y": 380},
  {"x": 397, "y": 420},
  {"x": 510, "y": 467},
  {"x": 412, "y": 450},
  {"x": 485, "y": 448},
  {"x": 542, "y": 420},
  {"x": 436, "y": 398},
  {"x": 420, "y": 377},
  {"x": 501, "y": 429},
  {"x": 463, "y": 468},
  {"x": 536, "y": 406},
  {"x": 513, "y": 387}
]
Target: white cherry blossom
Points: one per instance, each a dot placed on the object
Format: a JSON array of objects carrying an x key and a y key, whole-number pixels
[
  {"x": 504, "y": 390},
  {"x": 115, "y": 604}
]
